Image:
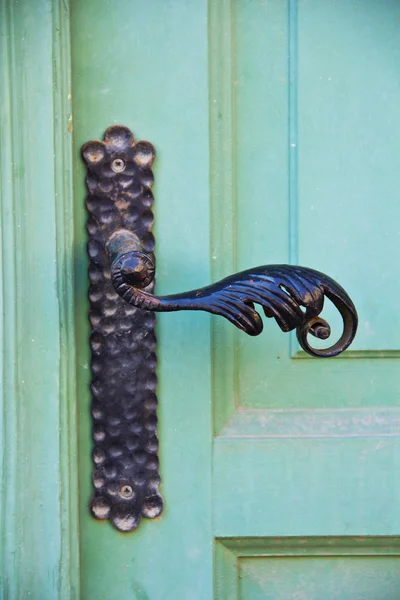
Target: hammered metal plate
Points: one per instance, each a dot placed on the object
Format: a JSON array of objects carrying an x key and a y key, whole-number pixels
[{"x": 123, "y": 340}]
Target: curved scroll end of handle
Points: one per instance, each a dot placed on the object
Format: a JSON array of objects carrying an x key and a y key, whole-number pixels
[{"x": 293, "y": 295}]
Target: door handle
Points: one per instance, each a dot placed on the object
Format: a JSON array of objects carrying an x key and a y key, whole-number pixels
[
  {"x": 122, "y": 306},
  {"x": 282, "y": 291}
]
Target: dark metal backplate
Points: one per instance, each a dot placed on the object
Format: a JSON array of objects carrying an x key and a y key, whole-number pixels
[{"x": 123, "y": 341}]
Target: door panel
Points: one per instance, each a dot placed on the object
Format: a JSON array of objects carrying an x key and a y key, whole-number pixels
[
  {"x": 338, "y": 578},
  {"x": 276, "y": 131},
  {"x": 308, "y": 568},
  {"x": 313, "y": 150},
  {"x": 335, "y": 485}
]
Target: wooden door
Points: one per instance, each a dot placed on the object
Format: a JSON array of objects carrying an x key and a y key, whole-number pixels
[{"x": 277, "y": 134}]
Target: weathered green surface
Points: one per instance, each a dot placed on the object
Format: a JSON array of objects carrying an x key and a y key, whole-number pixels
[
  {"x": 277, "y": 134},
  {"x": 39, "y": 554},
  {"x": 310, "y": 447},
  {"x": 308, "y": 568},
  {"x": 145, "y": 65},
  {"x": 322, "y": 578}
]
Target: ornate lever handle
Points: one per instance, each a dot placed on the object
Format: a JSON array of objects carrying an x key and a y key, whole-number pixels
[
  {"x": 281, "y": 290},
  {"x": 123, "y": 342}
]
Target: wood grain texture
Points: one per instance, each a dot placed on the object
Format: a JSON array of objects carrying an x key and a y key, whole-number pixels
[{"x": 39, "y": 537}]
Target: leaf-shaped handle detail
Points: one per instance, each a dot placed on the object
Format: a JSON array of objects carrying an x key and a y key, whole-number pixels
[{"x": 293, "y": 295}]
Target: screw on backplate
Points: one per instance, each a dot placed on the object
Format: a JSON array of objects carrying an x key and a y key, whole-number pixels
[
  {"x": 118, "y": 165},
  {"x": 126, "y": 491}
]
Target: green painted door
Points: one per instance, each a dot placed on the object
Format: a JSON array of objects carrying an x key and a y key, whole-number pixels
[{"x": 277, "y": 131}]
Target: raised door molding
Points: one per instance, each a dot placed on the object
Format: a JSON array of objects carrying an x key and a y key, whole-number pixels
[{"x": 39, "y": 542}]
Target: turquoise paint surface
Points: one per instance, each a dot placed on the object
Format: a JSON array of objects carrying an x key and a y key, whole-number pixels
[
  {"x": 156, "y": 82},
  {"x": 276, "y": 127}
]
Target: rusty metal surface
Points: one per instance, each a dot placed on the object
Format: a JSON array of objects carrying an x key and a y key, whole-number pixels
[{"x": 123, "y": 341}]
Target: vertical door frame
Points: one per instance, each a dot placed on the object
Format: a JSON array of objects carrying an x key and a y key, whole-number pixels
[{"x": 39, "y": 529}]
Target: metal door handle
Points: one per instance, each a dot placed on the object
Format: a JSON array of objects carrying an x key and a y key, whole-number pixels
[
  {"x": 123, "y": 341},
  {"x": 281, "y": 290}
]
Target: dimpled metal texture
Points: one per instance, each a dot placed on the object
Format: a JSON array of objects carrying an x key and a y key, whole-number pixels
[{"x": 123, "y": 341}]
